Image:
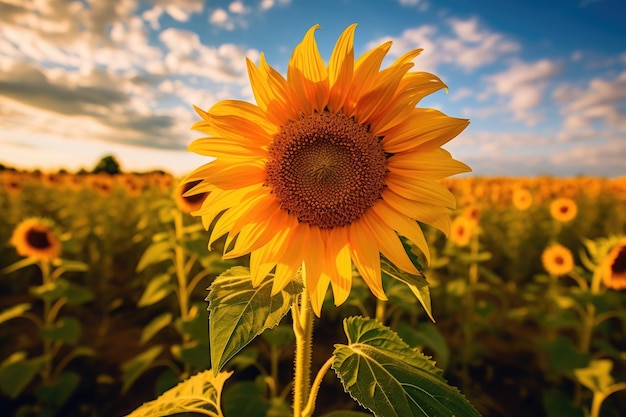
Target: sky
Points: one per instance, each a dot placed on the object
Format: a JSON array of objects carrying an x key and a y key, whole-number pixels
[{"x": 542, "y": 82}]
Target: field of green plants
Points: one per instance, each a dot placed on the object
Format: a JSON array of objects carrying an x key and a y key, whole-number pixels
[{"x": 527, "y": 297}]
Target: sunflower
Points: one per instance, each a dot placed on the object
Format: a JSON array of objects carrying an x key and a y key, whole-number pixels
[
  {"x": 557, "y": 260},
  {"x": 563, "y": 209},
  {"x": 522, "y": 199},
  {"x": 614, "y": 267},
  {"x": 188, "y": 203},
  {"x": 330, "y": 165},
  {"x": 34, "y": 238},
  {"x": 461, "y": 231}
]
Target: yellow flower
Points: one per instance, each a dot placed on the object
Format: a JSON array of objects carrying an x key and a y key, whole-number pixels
[
  {"x": 614, "y": 267},
  {"x": 188, "y": 203},
  {"x": 329, "y": 164},
  {"x": 461, "y": 230},
  {"x": 522, "y": 199},
  {"x": 563, "y": 209},
  {"x": 34, "y": 238},
  {"x": 557, "y": 260}
]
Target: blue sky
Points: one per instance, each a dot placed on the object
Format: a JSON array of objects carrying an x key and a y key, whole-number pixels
[{"x": 543, "y": 82}]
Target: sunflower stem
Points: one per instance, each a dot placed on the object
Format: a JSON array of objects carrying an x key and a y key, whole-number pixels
[{"x": 303, "y": 330}]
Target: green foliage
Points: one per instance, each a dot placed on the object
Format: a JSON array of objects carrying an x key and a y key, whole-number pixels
[
  {"x": 56, "y": 393},
  {"x": 15, "y": 311},
  {"x": 133, "y": 368},
  {"x": 158, "y": 288},
  {"x": 66, "y": 330},
  {"x": 158, "y": 323},
  {"x": 385, "y": 375},
  {"x": 416, "y": 283},
  {"x": 245, "y": 399},
  {"x": 16, "y": 372},
  {"x": 199, "y": 394},
  {"x": 239, "y": 312},
  {"x": 62, "y": 288}
]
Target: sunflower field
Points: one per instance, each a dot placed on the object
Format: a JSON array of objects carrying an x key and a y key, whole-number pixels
[{"x": 104, "y": 278}]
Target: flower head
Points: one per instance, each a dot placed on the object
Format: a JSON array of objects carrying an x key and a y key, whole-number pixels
[
  {"x": 557, "y": 260},
  {"x": 614, "y": 267},
  {"x": 522, "y": 199},
  {"x": 461, "y": 230},
  {"x": 188, "y": 203},
  {"x": 563, "y": 209},
  {"x": 330, "y": 165},
  {"x": 35, "y": 238}
]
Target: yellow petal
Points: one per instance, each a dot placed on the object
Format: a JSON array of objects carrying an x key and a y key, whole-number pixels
[
  {"x": 308, "y": 75},
  {"x": 426, "y": 129},
  {"x": 403, "y": 225},
  {"x": 226, "y": 148},
  {"x": 434, "y": 215},
  {"x": 339, "y": 262},
  {"x": 389, "y": 243},
  {"x": 365, "y": 255},
  {"x": 365, "y": 69},
  {"x": 340, "y": 69},
  {"x": 314, "y": 260},
  {"x": 413, "y": 87},
  {"x": 425, "y": 191},
  {"x": 434, "y": 164}
]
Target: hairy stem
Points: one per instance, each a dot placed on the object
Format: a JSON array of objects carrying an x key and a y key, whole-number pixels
[{"x": 303, "y": 330}]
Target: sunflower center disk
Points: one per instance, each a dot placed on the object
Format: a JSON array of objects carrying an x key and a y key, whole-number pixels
[
  {"x": 37, "y": 239},
  {"x": 326, "y": 169}
]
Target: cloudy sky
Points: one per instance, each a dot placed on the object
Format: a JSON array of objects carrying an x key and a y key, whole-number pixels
[{"x": 543, "y": 82}]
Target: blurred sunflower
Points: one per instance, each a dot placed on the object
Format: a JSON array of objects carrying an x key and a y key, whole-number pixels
[
  {"x": 188, "y": 203},
  {"x": 327, "y": 167},
  {"x": 461, "y": 230},
  {"x": 35, "y": 238},
  {"x": 563, "y": 209},
  {"x": 522, "y": 199},
  {"x": 557, "y": 260},
  {"x": 614, "y": 267}
]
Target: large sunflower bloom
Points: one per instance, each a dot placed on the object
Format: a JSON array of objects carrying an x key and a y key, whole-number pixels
[
  {"x": 35, "y": 238},
  {"x": 330, "y": 165}
]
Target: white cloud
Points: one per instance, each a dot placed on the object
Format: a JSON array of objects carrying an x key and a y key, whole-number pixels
[
  {"x": 468, "y": 46},
  {"x": 237, "y": 7},
  {"x": 188, "y": 56},
  {"x": 594, "y": 111},
  {"x": 523, "y": 86},
  {"x": 268, "y": 4}
]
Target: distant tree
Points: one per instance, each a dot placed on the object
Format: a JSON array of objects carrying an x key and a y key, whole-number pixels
[{"x": 109, "y": 165}]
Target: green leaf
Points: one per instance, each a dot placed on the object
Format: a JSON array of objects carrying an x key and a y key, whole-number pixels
[
  {"x": 16, "y": 372},
  {"x": 280, "y": 336},
  {"x": 200, "y": 394},
  {"x": 245, "y": 399},
  {"x": 383, "y": 374},
  {"x": 563, "y": 355},
  {"x": 342, "y": 413},
  {"x": 65, "y": 330},
  {"x": 155, "y": 253},
  {"x": 239, "y": 312},
  {"x": 426, "y": 335},
  {"x": 70, "y": 266},
  {"x": 152, "y": 328},
  {"x": 133, "y": 368},
  {"x": 157, "y": 289},
  {"x": 22, "y": 263},
  {"x": 597, "y": 376},
  {"x": 197, "y": 324},
  {"x": 74, "y": 294},
  {"x": 15, "y": 311},
  {"x": 558, "y": 404},
  {"x": 58, "y": 392},
  {"x": 195, "y": 354},
  {"x": 417, "y": 284}
]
